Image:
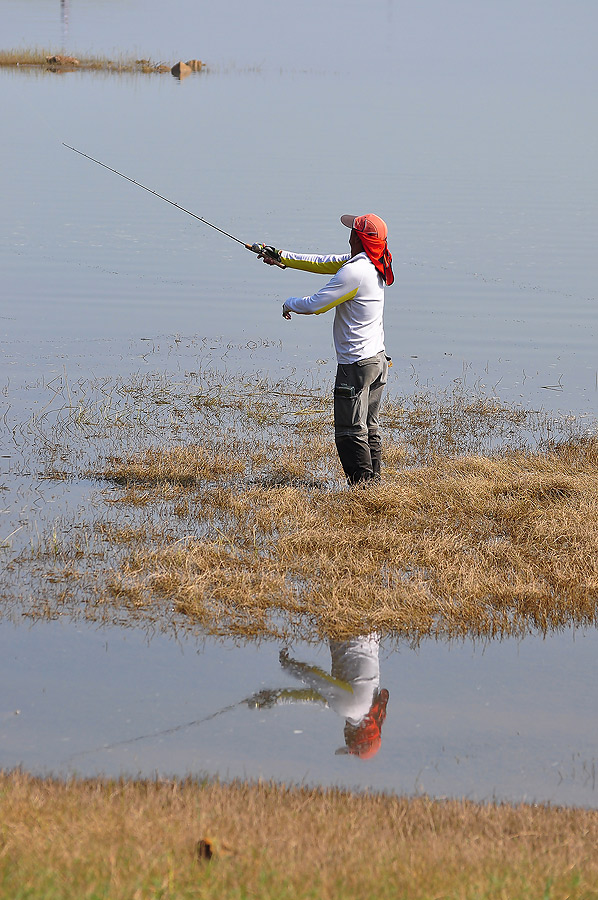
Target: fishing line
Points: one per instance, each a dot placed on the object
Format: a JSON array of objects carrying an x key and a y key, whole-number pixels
[
  {"x": 260, "y": 249},
  {"x": 153, "y": 734}
]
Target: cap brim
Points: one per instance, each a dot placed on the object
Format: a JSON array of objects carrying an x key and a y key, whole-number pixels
[{"x": 348, "y": 220}]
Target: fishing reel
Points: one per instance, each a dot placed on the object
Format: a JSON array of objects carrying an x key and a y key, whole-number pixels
[
  {"x": 264, "y": 250},
  {"x": 264, "y": 699}
]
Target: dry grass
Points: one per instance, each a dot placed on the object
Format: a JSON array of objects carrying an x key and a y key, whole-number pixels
[
  {"x": 484, "y": 524},
  {"x": 467, "y": 546},
  {"x": 51, "y": 61},
  {"x": 126, "y": 839},
  {"x": 479, "y": 546}
]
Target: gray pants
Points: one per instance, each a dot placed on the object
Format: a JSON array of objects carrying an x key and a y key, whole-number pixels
[{"x": 357, "y": 395}]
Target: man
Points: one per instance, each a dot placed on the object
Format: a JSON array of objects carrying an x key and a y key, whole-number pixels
[{"x": 356, "y": 293}]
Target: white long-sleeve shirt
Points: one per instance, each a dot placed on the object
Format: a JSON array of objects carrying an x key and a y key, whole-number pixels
[{"x": 355, "y": 292}]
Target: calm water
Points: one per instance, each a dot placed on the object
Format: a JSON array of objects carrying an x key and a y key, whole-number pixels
[
  {"x": 479, "y": 150},
  {"x": 514, "y": 721},
  {"x": 473, "y": 132}
]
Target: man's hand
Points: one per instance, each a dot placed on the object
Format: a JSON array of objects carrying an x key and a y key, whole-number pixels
[
  {"x": 265, "y": 699},
  {"x": 286, "y": 312},
  {"x": 270, "y": 255}
]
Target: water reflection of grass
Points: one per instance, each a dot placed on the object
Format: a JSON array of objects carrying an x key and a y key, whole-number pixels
[
  {"x": 226, "y": 511},
  {"x": 123, "y": 839}
]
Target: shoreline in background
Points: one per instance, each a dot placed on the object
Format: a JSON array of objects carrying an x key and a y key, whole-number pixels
[{"x": 60, "y": 62}]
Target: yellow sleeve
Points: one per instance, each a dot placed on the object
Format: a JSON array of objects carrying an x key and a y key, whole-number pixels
[{"x": 323, "y": 265}]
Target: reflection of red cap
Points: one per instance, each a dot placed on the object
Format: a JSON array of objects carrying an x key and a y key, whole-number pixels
[
  {"x": 364, "y": 741},
  {"x": 373, "y": 233}
]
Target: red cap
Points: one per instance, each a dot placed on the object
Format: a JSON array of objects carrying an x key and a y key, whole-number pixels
[
  {"x": 373, "y": 233},
  {"x": 370, "y": 224}
]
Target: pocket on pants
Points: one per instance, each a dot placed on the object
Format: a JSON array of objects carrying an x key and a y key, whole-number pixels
[
  {"x": 384, "y": 375},
  {"x": 346, "y": 410},
  {"x": 370, "y": 361}
]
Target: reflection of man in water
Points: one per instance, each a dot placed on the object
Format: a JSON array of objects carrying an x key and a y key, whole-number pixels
[{"x": 352, "y": 690}]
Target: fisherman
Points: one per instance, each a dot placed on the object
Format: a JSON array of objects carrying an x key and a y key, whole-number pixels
[{"x": 356, "y": 293}]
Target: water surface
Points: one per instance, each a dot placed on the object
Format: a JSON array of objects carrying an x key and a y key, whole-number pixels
[
  {"x": 509, "y": 721},
  {"x": 471, "y": 129}
]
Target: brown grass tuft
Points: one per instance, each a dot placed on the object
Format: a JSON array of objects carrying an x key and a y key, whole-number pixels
[{"x": 479, "y": 546}]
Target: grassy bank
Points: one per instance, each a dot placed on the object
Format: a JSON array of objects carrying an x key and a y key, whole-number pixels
[{"x": 138, "y": 839}]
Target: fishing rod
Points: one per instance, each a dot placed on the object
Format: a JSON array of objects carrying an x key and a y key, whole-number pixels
[{"x": 260, "y": 249}]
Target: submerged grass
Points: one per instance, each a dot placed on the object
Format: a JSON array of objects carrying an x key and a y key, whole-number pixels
[
  {"x": 227, "y": 511},
  {"x": 188, "y": 839}
]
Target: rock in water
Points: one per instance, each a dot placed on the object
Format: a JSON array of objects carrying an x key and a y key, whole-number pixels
[
  {"x": 62, "y": 61},
  {"x": 181, "y": 70}
]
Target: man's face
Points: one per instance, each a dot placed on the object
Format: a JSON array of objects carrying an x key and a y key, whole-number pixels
[{"x": 355, "y": 243}]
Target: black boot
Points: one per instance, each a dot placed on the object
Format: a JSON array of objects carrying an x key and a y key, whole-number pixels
[
  {"x": 355, "y": 459},
  {"x": 376, "y": 455}
]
